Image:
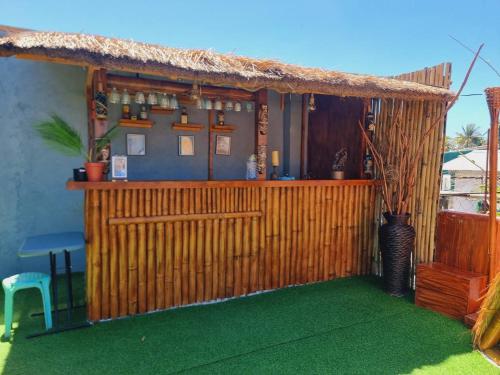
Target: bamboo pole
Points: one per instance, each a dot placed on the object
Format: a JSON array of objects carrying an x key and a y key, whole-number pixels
[
  {"x": 275, "y": 238},
  {"x": 288, "y": 234},
  {"x": 294, "y": 228},
  {"x": 281, "y": 236},
  {"x": 178, "y": 247},
  {"x": 245, "y": 260},
  {"x": 113, "y": 259},
  {"x": 305, "y": 236},
  {"x": 334, "y": 263},
  {"x": 132, "y": 264},
  {"x": 300, "y": 235},
  {"x": 201, "y": 253},
  {"x": 222, "y": 258},
  {"x": 208, "y": 261},
  {"x": 104, "y": 248},
  {"x": 269, "y": 239},
  {"x": 95, "y": 295},
  {"x": 144, "y": 200},
  {"x": 215, "y": 259},
  {"x": 262, "y": 239},
  {"x": 493, "y": 100},
  {"x": 230, "y": 258},
  {"x": 151, "y": 266},
  {"x": 345, "y": 242},
  {"x": 122, "y": 260}
]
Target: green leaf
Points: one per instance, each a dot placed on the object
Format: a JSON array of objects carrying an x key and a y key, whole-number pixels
[{"x": 61, "y": 137}]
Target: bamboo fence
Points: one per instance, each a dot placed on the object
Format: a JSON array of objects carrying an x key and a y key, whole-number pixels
[
  {"x": 417, "y": 116},
  {"x": 154, "y": 248}
]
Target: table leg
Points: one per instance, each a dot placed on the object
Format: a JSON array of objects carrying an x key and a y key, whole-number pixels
[
  {"x": 69, "y": 282},
  {"x": 53, "y": 276}
]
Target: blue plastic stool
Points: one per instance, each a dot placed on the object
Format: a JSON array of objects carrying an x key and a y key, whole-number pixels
[{"x": 25, "y": 281}]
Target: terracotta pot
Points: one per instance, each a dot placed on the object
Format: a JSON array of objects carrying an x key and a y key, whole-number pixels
[
  {"x": 397, "y": 242},
  {"x": 338, "y": 175},
  {"x": 95, "y": 171}
]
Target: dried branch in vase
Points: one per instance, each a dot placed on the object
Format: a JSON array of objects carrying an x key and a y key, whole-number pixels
[{"x": 397, "y": 162}]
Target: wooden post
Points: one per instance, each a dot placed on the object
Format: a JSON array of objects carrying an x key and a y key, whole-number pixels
[
  {"x": 89, "y": 95},
  {"x": 261, "y": 129},
  {"x": 303, "y": 137},
  {"x": 493, "y": 100},
  {"x": 210, "y": 145}
]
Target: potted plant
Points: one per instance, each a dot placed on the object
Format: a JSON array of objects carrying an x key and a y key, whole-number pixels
[
  {"x": 60, "y": 136},
  {"x": 397, "y": 166},
  {"x": 339, "y": 164}
]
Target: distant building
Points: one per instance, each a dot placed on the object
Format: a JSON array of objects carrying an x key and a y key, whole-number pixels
[{"x": 464, "y": 178}]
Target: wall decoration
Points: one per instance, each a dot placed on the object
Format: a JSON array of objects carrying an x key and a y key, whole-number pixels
[
  {"x": 263, "y": 119},
  {"x": 186, "y": 145},
  {"x": 100, "y": 100},
  {"x": 223, "y": 145},
  {"x": 119, "y": 167},
  {"x": 136, "y": 144},
  {"x": 261, "y": 158}
]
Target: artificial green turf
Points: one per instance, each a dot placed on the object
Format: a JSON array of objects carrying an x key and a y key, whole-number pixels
[{"x": 346, "y": 326}]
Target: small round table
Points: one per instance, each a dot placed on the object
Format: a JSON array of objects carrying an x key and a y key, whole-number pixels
[{"x": 51, "y": 245}]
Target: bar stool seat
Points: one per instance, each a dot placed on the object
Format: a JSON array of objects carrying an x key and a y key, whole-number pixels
[{"x": 26, "y": 280}]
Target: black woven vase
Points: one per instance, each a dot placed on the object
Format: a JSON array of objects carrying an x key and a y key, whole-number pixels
[{"x": 397, "y": 240}]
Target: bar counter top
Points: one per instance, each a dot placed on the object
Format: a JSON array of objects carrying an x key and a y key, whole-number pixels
[{"x": 149, "y": 184}]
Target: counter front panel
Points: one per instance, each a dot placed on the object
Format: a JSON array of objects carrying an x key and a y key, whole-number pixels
[{"x": 152, "y": 245}]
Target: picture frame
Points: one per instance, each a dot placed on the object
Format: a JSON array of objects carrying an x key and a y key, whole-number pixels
[
  {"x": 223, "y": 145},
  {"x": 119, "y": 167},
  {"x": 136, "y": 144},
  {"x": 186, "y": 145}
]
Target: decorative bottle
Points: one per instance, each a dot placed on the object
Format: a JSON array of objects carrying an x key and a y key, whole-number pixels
[
  {"x": 101, "y": 108},
  {"x": 184, "y": 116}
]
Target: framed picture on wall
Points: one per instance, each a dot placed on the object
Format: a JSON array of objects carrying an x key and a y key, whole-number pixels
[
  {"x": 119, "y": 167},
  {"x": 223, "y": 145},
  {"x": 136, "y": 144},
  {"x": 186, "y": 145}
]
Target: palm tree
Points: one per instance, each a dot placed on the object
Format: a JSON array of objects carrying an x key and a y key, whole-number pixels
[
  {"x": 469, "y": 137},
  {"x": 449, "y": 143}
]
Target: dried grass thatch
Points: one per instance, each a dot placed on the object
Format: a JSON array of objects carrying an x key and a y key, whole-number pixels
[
  {"x": 205, "y": 65},
  {"x": 487, "y": 328}
]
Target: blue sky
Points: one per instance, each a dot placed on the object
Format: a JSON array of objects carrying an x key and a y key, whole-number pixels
[{"x": 382, "y": 38}]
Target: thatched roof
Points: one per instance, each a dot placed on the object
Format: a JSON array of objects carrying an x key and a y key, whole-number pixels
[{"x": 204, "y": 65}]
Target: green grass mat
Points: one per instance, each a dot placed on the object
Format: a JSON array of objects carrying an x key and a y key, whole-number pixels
[{"x": 346, "y": 326}]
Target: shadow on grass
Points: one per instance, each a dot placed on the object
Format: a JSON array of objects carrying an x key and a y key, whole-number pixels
[{"x": 342, "y": 326}]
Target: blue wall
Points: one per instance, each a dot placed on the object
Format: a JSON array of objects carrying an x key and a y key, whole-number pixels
[{"x": 33, "y": 197}]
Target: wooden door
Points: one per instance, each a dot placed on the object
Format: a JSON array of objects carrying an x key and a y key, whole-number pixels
[{"x": 333, "y": 125}]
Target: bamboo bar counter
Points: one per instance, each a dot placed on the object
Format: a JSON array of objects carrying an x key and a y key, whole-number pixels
[{"x": 152, "y": 245}]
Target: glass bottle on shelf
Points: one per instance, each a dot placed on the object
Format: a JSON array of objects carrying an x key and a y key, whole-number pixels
[
  {"x": 220, "y": 118},
  {"x": 126, "y": 111},
  {"x": 143, "y": 114},
  {"x": 184, "y": 116}
]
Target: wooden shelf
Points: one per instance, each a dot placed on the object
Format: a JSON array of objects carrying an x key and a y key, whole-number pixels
[
  {"x": 166, "y": 184},
  {"x": 136, "y": 123},
  {"x": 187, "y": 127},
  {"x": 156, "y": 109},
  {"x": 222, "y": 128}
]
